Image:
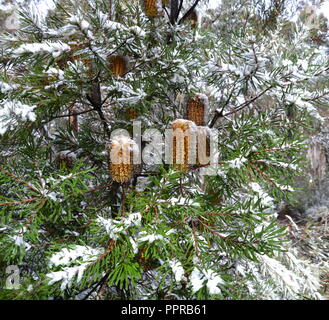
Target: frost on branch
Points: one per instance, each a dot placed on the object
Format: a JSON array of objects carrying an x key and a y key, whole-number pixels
[
  {"x": 282, "y": 277},
  {"x": 206, "y": 276},
  {"x": 10, "y": 111},
  {"x": 67, "y": 256},
  {"x": 76, "y": 259},
  {"x": 53, "y": 48}
]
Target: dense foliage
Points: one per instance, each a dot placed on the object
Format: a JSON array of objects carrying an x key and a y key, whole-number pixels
[{"x": 166, "y": 233}]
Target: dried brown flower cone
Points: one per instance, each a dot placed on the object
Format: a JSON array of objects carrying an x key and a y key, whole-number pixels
[
  {"x": 183, "y": 131},
  {"x": 121, "y": 153},
  {"x": 151, "y": 8},
  {"x": 62, "y": 62},
  {"x": 132, "y": 114},
  {"x": 196, "y": 109},
  {"x": 65, "y": 159},
  {"x": 193, "y": 17},
  {"x": 73, "y": 119},
  {"x": 118, "y": 65}
]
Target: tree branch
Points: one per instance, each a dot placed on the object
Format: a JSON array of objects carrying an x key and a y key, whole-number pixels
[
  {"x": 19, "y": 202},
  {"x": 219, "y": 112},
  {"x": 173, "y": 11},
  {"x": 29, "y": 185},
  {"x": 188, "y": 12},
  {"x": 69, "y": 114},
  {"x": 96, "y": 101},
  {"x": 179, "y": 9}
]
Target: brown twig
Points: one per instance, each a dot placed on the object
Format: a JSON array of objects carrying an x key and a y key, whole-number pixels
[
  {"x": 99, "y": 188},
  {"x": 123, "y": 203},
  {"x": 274, "y": 149},
  {"x": 195, "y": 240},
  {"x": 71, "y": 114},
  {"x": 224, "y": 237},
  {"x": 221, "y": 213},
  {"x": 188, "y": 12},
  {"x": 29, "y": 185},
  {"x": 263, "y": 174},
  {"x": 19, "y": 202}
]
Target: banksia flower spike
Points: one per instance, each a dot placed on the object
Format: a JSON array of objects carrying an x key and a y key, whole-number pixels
[
  {"x": 62, "y": 62},
  {"x": 73, "y": 119},
  {"x": 121, "y": 154},
  {"x": 193, "y": 17},
  {"x": 132, "y": 113},
  {"x": 152, "y": 8},
  {"x": 183, "y": 147},
  {"x": 118, "y": 65},
  {"x": 197, "y": 108}
]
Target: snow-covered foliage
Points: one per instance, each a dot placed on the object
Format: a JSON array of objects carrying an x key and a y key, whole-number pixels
[
  {"x": 75, "y": 74},
  {"x": 282, "y": 277},
  {"x": 211, "y": 278},
  {"x": 66, "y": 256},
  {"x": 55, "y": 48},
  {"x": 12, "y": 109},
  {"x": 75, "y": 260},
  {"x": 114, "y": 227}
]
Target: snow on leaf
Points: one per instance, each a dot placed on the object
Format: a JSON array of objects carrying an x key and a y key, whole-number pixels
[
  {"x": 66, "y": 256},
  {"x": 266, "y": 200},
  {"x": 177, "y": 269},
  {"x": 19, "y": 241},
  {"x": 14, "y": 108},
  {"x": 6, "y": 87},
  {"x": 196, "y": 280},
  {"x": 67, "y": 275},
  {"x": 110, "y": 226},
  {"x": 236, "y": 163},
  {"x": 150, "y": 238},
  {"x": 54, "y": 48},
  {"x": 213, "y": 279},
  {"x": 114, "y": 227}
]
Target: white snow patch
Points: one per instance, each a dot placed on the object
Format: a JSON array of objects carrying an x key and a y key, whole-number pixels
[
  {"x": 150, "y": 238},
  {"x": 5, "y": 87},
  {"x": 19, "y": 241},
  {"x": 67, "y": 275},
  {"x": 266, "y": 200},
  {"x": 114, "y": 227},
  {"x": 213, "y": 279},
  {"x": 236, "y": 163},
  {"x": 66, "y": 256},
  {"x": 177, "y": 269},
  {"x": 54, "y": 48},
  {"x": 14, "y": 108}
]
